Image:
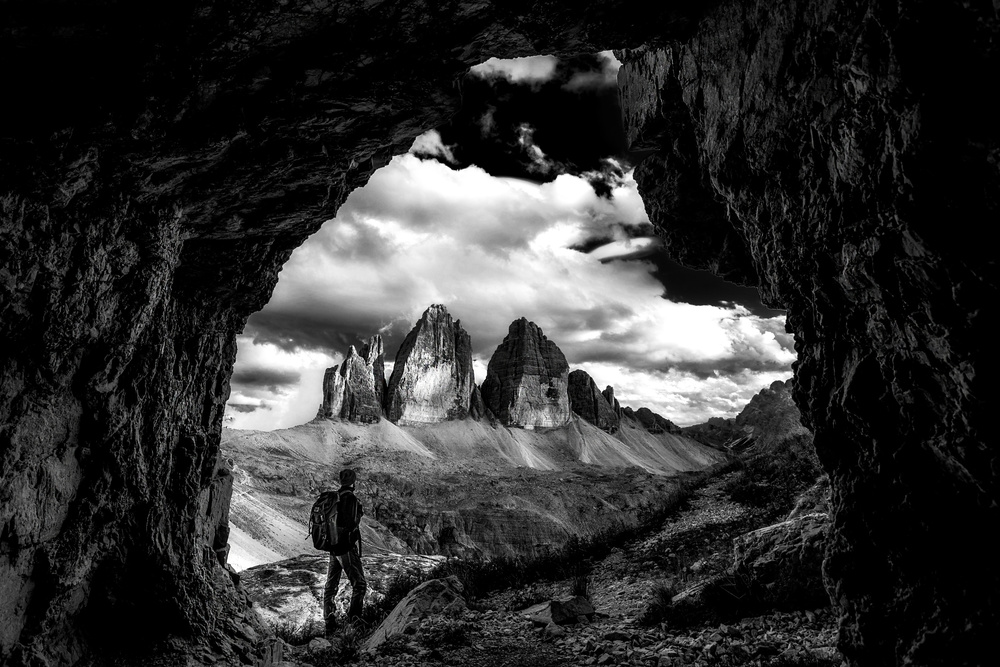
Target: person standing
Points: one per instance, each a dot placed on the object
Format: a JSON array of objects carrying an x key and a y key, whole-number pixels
[{"x": 346, "y": 556}]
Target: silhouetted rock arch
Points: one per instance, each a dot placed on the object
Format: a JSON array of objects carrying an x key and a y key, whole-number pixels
[{"x": 158, "y": 169}]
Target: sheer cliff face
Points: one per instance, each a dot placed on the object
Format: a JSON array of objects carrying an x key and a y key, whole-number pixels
[
  {"x": 527, "y": 379},
  {"x": 588, "y": 402},
  {"x": 355, "y": 390},
  {"x": 432, "y": 379},
  {"x": 825, "y": 148},
  {"x": 158, "y": 169}
]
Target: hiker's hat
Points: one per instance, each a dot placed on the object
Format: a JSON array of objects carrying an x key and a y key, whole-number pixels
[{"x": 347, "y": 477}]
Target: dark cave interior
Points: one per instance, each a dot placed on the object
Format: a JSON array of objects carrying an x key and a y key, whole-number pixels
[{"x": 160, "y": 165}]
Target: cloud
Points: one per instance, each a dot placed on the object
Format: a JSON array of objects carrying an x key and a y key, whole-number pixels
[
  {"x": 541, "y": 117},
  {"x": 532, "y": 70},
  {"x": 596, "y": 79},
  {"x": 682, "y": 397},
  {"x": 493, "y": 250},
  {"x": 429, "y": 144},
  {"x": 247, "y": 407},
  {"x": 274, "y": 388},
  {"x": 269, "y": 378}
]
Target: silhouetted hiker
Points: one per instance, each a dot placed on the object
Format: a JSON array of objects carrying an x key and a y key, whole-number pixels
[{"x": 346, "y": 555}]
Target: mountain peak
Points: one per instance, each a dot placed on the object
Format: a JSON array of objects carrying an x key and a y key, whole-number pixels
[
  {"x": 432, "y": 379},
  {"x": 355, "y": 390},
  {"x": 527, "y": 379}
]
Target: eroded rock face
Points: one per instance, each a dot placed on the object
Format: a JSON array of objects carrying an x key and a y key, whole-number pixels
[
  {"x": 588, "y": 402},
  {"x": 609, "y": 396},
  {"x": 527, "y": 379},
  {"x": 432, "y": 379},
  {"x": 355, "y": 389},
  {"x": 833, "y": 146}
]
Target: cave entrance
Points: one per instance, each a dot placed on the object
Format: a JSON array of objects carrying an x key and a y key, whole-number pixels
[{"x": 523, "y": 205}]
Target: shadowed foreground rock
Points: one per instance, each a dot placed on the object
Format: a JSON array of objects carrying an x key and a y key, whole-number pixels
[
  {"x": 158, "y": 168},
  {"x": 436, "y": 596},
  {"x": 785, "y": 561}
]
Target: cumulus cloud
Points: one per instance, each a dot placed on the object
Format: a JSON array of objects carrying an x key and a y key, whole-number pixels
[
  {"x": 429, "y": 144},
  {"x": 533, "y": 69},
  {"x": 274, "y": 388},
  {"x": 683, "y": 398},
  {"x": 493, "y": 250},
  {"x": 269, "y": 378}
]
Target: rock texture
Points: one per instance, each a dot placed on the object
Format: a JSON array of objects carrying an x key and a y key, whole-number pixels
[
  {"x": 586, "y": 401},
  {"x": 785, "y": 560},
  {"x": 609, "y": 396},
  {"x": 561, "y": 611},
  {"x": 432, "y": 379},
  {"x": 289, "y": 593},
  {"x": 159, "y": 167},
  {"x": 527, "y": 379},
  {"x": 355, "y": 390},
  {"x": 820, "y": 147},
  {"x": 436, "y": 596}
]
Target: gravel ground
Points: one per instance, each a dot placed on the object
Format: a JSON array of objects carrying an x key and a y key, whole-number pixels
[{"x": 691, "y": 546}]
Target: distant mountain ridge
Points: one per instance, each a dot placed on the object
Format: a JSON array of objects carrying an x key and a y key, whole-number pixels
[
  {"x": 453, "y": 487},
  {"x": 528, "y": 382},
  {"x": 448, "y": 468}
]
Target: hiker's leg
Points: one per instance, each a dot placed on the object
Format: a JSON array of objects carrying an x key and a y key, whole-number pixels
[
  {"x": 330, "y": 593},
  {"x": 359, "y": 586}
]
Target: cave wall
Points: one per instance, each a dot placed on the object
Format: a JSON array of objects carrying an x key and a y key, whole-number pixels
[
  {"x": 159, "y": 166},
  {"x": 852, "y": 147}
]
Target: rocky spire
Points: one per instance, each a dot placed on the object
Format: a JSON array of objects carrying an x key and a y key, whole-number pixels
[
  {"x": 527, "y": 378},
  {"x": 609, "y": 396},
  {"x": 588, "y": 402},
  {"x": 432, "y": 379},
  {"x": 355, "y": 389}
]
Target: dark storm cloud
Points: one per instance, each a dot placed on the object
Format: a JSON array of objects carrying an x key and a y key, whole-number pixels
[
  {"x": 545, "y": 117},
  {"x": 290, "y": 328},
  {"x": 270, "y": 378},
  {"x": 247, "y": 408},
  {"x": 702, "y": 288},
  {"x": 566, "y": 119},
  {"x": 575, "y": 318}
]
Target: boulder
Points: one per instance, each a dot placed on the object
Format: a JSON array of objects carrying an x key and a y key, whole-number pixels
[
  {"x": 562, "y": 611},
  {"x": 355, "y": 389},
  {"x": 432, "y": 380},
  {"x": 436, "y": 596},
  {"x": 527, "y": 379},
  {"x": 588, "y": 402},
  {"x": 784, "y": 561}
]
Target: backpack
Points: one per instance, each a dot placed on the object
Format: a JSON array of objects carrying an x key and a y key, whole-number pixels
[{"x": 323, "y": 521}]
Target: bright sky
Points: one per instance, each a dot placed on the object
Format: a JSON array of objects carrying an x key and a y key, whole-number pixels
[{"x": 493, "y": 250}]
